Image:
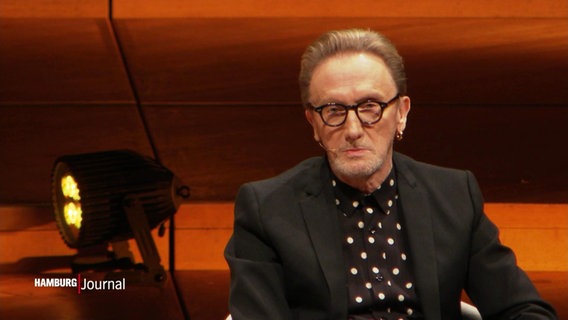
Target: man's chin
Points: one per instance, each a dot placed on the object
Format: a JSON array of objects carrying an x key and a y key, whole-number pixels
[{"x": 355, "y": 168}]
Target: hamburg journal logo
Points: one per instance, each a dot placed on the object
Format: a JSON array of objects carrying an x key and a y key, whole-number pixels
[{"x": 81, "y": 284}]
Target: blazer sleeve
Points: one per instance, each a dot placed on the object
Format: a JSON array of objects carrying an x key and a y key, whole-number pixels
[
  {"x": 257, "y": 287},
  {"x": 495, "y": 284}
]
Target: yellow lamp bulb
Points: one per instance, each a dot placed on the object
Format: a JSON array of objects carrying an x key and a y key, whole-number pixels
[
  {"x": 73, "y": 214},
  {"x": 69, "y": 188}
]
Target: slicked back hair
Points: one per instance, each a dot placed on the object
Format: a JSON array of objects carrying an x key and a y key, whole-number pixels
[{"x": 350, "y": 41}]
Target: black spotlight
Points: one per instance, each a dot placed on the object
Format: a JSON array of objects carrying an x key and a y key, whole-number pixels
[{"x": 109, "y": 197}]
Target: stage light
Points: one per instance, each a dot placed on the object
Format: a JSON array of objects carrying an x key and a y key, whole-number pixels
[{"x": 109, "y": 197}]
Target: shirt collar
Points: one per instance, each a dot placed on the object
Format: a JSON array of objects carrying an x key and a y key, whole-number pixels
[{"x": 348, "y": 199}]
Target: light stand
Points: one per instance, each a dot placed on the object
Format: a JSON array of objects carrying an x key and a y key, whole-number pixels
[{"x": 107, "y": 198}]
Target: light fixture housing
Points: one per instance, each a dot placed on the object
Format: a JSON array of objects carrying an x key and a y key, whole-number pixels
[{"x": 110, "y": 196}]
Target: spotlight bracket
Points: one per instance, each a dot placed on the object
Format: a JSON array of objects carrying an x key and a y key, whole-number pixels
[{"x": 153, "y": 272}]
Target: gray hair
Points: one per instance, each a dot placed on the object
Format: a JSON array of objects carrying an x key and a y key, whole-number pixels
[{"x": 352, "y": 40}]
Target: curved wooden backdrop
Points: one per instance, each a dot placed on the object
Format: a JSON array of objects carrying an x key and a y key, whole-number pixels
[{"x": 215, "y": 83}]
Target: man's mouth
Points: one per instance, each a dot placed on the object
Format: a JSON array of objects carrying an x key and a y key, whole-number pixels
[{"x": 354, "y": 151}]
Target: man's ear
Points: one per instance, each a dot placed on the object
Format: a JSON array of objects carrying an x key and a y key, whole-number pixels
[
  {"x": 310, "y": 117},
  {"x": 403, "y": 110}
]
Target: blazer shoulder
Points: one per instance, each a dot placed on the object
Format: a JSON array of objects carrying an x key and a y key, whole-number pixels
[
  {"x": 300, "y": 175},
  {"x": 435, "y": 177},
  {"x": 407, "y": 165}
]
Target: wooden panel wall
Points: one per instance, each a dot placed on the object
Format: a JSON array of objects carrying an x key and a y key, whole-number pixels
[
  {"x": 290, "y": 8},
  {"x": 213, "y": 85},
  {"x": 339, "y": 8},
  {"x": 479, "y": 88},
  {"x": 221, "y": 92}
]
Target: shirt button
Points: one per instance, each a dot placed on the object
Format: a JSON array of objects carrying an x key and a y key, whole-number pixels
[
  {"x": 379, "y": 277},
  {"x": 372, "y": 230}
]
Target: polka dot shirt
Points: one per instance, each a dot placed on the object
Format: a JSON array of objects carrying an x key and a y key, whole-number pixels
[{"x": 379, "y": 278}]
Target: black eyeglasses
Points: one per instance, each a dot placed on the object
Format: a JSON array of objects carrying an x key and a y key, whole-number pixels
[{"x": 369, "y": 111}]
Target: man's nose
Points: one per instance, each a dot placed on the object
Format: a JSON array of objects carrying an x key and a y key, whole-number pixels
[{"x": 353, "y": 126}]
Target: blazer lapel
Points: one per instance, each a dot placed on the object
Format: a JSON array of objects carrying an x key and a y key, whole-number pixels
[
  {"x": 417, "y": 217},
  {"x": 321, "y": 221}
]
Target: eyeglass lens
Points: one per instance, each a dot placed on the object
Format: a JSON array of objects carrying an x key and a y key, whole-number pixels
[{"x": 368, "y": 112}]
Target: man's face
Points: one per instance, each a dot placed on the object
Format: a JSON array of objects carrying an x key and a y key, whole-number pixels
[{"x": 355, "y": 150}]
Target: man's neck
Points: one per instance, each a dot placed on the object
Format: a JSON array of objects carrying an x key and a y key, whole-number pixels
[{"x": 368, "y": 184}]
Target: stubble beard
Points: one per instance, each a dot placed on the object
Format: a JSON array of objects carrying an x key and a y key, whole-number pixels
[
  {"x": 360, "y": 168},
  {"x": 356, "y": 169}
]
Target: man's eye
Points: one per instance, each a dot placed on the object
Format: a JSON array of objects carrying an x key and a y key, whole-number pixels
[
  {"x": 369, "y": 106},
  {"x": 334, "y": 110}
]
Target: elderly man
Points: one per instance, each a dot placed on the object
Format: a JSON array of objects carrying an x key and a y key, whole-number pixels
[{"x": 365, "y": 232}]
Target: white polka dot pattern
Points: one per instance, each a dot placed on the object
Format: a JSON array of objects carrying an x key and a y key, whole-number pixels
[{"x": 375, "y": 250}]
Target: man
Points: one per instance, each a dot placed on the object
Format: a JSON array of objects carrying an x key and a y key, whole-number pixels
[{"x": 365, "y": 232}]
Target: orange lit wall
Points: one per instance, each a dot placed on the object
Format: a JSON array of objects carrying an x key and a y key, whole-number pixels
[{"x": 487, "y": 80}]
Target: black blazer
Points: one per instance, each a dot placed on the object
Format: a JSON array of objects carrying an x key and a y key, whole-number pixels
[{"x": 286, "y": 259}]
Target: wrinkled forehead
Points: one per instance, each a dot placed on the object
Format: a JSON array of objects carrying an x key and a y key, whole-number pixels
[{"x": 350, "y": 77}]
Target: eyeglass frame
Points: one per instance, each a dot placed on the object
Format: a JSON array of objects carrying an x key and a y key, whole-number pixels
[{"x": 382, "y": 105}]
